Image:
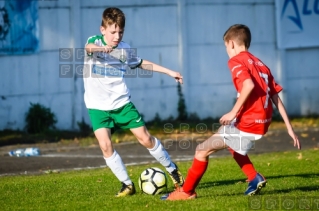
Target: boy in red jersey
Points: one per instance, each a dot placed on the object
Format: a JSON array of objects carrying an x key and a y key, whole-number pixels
[{"x": 246, "y": 122}]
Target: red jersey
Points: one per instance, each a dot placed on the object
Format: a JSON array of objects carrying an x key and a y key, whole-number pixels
[{"x": 255, "y": 114}]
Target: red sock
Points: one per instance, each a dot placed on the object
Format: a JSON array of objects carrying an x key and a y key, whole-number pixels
[
  {"x": 245, "y": 164},
  {"x": 195, "y": 174}
]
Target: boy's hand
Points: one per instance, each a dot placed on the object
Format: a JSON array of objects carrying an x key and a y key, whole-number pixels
[
  {"x": 295, "y": 138},
  {"x": 91, "y": 48},
  {"x": 178, "y": 77},
  {"x": 107, "y": 49},
  {"x": 227, "y": 118}
]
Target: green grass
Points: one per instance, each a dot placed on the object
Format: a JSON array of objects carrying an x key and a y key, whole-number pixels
[{"x": 290, "y": 175}]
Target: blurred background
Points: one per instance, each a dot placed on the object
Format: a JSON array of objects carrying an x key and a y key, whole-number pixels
[{"x": 39, "y": 39}]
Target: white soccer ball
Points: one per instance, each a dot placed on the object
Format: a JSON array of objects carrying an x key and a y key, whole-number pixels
[{"x": 152, "y": 181}]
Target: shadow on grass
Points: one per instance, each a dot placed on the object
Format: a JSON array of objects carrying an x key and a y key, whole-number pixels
[
  {"x": 237, "y": 181},
  {"x": 272, "y": 192},
  {"x": 303, "y": 188},
  {"x": 212, "y": 184}
]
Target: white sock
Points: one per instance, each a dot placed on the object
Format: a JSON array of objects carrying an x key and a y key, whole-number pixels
[
  {"x": 118, "y": 168},
  {"x": 162, "y": 156}
]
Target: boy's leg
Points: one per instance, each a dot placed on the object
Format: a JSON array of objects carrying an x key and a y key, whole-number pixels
[
  {"x": 127, "y": 117},
  {"x": 198, "y": 168},
  {"x": 114, "y": 161},
  {"x": 157, "y": 150},
  {"x": 239, "y": 145},
  {"x": 245, "y": 164}
]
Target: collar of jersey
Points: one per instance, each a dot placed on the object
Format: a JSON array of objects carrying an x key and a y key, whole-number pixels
[{"x": 104, "y": 43}]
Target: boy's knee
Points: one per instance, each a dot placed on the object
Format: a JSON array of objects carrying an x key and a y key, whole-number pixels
[
  {"x": 202, "y": 147},
  {"x": 146, "y": 141},
  {"x": 201, "y": 153}
]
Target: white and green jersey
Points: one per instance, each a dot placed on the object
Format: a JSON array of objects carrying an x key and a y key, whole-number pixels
[{"x": 104, "y": 83}]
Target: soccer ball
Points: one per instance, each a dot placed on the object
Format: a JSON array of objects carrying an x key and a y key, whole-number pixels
[{"x": 152, "y": 181}]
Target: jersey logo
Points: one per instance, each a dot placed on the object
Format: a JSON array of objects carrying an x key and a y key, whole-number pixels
[
  {"x": 107, "y": 70},
  {"x": 238, "y": 73},
  {"x": 259, "y": 63},
  {"x": 122, "y": 58},
  {"x": 235, "y": 67},
  {"x": 139, "y": 119},
  {"x": 296, "y": 19}
]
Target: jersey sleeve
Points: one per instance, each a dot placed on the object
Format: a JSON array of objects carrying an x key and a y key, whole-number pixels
[
  {"x": 274, "y": 87},
  {"x": 133, "y": 61},
  {"x": 239, "y": 72},
  {"x": 91, "y": 40}
]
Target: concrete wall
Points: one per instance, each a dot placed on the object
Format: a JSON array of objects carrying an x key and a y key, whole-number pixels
[{"x": 183, "y": 35}]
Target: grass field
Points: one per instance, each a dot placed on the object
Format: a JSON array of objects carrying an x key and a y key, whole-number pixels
[{"x": 292, "y": 177}]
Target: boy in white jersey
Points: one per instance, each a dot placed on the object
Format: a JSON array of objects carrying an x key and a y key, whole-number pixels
[{"x": 108, "y": 98}]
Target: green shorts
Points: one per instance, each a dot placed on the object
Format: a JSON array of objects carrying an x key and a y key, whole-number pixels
[{"x": 125, "y": 117}]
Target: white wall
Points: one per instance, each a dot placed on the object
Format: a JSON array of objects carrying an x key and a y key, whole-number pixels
[
  {"x": 211, "y": 92},
  {"x": 184, "y": 35},
  {"x": 302, "y": 73}
]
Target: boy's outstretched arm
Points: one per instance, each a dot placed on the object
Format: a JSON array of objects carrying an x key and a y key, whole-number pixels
[
  {"x": 248, "y": 86},
  {"x": 281, "y": 108},
  {"x": 91, "y": 48},
  {"x": 147, "y": 65}
]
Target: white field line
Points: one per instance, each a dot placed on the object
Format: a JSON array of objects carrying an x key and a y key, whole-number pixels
[
  {"x": 100, "y": 156},
  {"x": 178, "y": 158}
]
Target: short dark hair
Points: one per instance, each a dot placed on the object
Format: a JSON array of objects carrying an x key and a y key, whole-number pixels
[
  {"x": 240, "y": 33},
  {"x": 113, "y": 15}
]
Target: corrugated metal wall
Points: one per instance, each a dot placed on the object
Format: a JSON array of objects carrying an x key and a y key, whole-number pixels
[{"x": 183, "y": 35}]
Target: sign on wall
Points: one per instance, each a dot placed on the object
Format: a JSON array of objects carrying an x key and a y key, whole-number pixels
[
  {"x": 19, "y": 28},
  {"x": 297, "y": 23}
]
